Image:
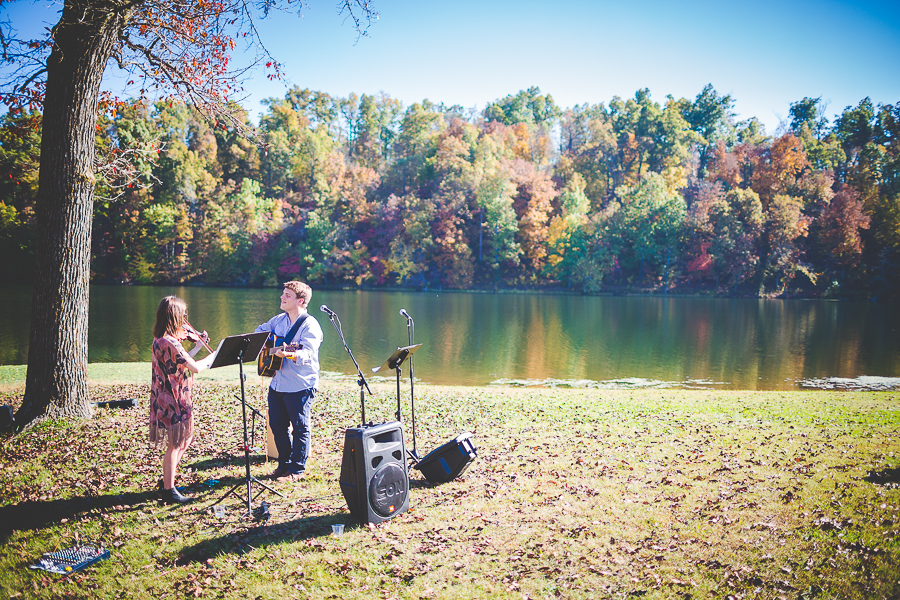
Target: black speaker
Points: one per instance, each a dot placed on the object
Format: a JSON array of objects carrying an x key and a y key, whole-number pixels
[
  {"x": 129, "y": 403},
  {"x": 449, "y": 461},
  {"x": 7, "y": 419},
  {"x": 374, "y": 480}
]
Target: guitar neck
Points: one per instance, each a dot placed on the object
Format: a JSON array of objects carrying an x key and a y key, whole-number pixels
[{"x": 289, "y": 348}]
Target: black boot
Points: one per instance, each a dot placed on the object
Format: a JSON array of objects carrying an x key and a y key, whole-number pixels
[
  {"x": 160, "y": 487},
  {"x": 173, "y": 496}
]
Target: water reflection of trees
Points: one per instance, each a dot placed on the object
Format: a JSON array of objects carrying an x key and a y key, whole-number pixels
[{"x": 478, "y": 338}]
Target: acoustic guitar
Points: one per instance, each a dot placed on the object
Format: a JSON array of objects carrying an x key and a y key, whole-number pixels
[{"x": 268, "y": 363}]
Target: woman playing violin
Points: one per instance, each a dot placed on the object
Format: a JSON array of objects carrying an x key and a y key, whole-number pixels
[{"x": 171, "y": 404}]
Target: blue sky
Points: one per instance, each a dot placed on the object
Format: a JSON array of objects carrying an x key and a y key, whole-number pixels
[{"x": 766, "y": 54}]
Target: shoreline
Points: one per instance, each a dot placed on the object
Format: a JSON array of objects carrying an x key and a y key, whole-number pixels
[
  {"x": 607, "y": 291},
  {"x": 101, "y": 374}
]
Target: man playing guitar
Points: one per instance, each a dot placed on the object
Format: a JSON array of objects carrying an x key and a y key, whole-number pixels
[{"x": 294, "y": 384}]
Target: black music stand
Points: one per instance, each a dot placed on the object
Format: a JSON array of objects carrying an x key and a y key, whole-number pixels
[
  {"x": 394, "y": 362},
  {"x": 231, "y": 350}
]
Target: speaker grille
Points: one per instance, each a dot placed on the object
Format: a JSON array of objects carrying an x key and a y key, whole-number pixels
[{"x": 388, "y": 489}]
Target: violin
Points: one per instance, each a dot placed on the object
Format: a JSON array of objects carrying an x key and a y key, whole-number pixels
[{"x": 190, "y": 331}]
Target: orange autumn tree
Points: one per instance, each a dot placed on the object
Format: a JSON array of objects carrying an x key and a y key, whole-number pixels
[
  {"x": 779, "y": 167},
  {"x": 171, "y": 48}
]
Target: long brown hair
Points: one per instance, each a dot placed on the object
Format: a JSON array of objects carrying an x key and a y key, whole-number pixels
[{"x": 169, "y": 316}]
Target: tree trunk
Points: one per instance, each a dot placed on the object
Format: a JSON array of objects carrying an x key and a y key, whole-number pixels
[
  {"x": 666, "y": 289},
  {"x": 56, "y": 382},
  {"x": 480, "y": 232},
  {"x": 765, "y": 253}
]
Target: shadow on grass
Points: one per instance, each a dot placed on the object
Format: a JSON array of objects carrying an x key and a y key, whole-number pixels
[
  {"x": 888, "y": 477},
  {"x": 226, "y": 460},
  {"x": 35, "y": 514},
  {"x": 298, "y": 530},
  {"x": 415, "y": 484}
]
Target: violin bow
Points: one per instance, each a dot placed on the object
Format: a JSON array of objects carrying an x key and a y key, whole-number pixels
[{"x": 197, "y": 333}]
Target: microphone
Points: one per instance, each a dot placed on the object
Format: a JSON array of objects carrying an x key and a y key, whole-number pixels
[
  {"x": 405, "y": 314},
  {"x": 326, "y": 310}
]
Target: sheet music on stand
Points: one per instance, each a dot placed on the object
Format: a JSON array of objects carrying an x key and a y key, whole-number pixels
[
  {"x": 235, "y": 349},
  {"x": 395, "y": 360}
]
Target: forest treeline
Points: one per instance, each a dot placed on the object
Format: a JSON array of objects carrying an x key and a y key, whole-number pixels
[{"x": 363, "y": 191}]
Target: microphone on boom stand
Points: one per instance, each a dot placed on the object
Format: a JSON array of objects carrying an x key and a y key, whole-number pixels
[
  {"x": 363, "y": 384},
  {"x": 411, "y": 335}
]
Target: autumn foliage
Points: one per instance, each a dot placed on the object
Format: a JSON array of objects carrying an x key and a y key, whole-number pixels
[{"x": 363, "y": 191}]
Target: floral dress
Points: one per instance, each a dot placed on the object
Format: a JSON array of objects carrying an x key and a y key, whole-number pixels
[{"x": 171, "y": 405}]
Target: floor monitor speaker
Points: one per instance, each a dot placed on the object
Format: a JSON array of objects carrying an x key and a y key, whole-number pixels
[
  {"x": 374, "y": 479},
  {"x": 449, "y": 461}
]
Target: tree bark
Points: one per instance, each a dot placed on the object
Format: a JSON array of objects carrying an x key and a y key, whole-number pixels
[{"x": 56, "y": 382}]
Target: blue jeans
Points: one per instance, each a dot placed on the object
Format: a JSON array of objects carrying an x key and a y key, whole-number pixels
[{"x": 291, "y": 408}]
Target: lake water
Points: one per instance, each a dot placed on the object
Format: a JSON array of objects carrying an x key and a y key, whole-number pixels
[{"x": 525, "y": 339}]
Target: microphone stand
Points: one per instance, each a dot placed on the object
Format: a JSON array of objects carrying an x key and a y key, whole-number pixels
[
  {"x": 361, "y": 382},
  {"x": 411, "y": 336}
]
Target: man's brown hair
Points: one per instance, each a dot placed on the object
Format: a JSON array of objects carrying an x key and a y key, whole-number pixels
[{"x": 302, "y": 291}]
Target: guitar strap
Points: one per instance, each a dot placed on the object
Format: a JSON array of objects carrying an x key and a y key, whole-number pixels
[{"x": 293, "y": 331}]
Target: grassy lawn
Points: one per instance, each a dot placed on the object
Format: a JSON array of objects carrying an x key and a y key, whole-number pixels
[{"x": 575, "y": 494}]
